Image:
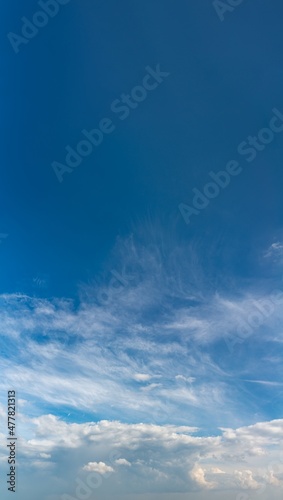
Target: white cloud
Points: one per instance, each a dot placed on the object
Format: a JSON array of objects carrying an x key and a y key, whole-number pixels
[
  {"x": 190, "y": 380},
  {"x": 123, "y": 461},
  {"x": 99, "y": 467},
  {"x": 142, "y": 377},
  {"x": 216, "y": 470},
  {"x": 78, "y": 357},
  {"x": 167, "y": 455},
  {"x": 150, "y": 387},
  {"x": 104, "y": 359},
  {"x": 275, "y": 250},
  {"x": 198, "y": 475},
  {"x": 270, "y": 478},
  {"x": 245, "y": 480}
]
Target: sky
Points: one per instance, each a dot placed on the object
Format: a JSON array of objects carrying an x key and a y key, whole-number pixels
[{"x": 141, "y": 249}]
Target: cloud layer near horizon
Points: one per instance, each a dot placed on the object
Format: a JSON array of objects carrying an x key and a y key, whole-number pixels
[{"x": 110, "y": 456}]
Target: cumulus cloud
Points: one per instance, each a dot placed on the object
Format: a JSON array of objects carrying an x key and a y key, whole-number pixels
[
  {"x": 245, "y": 480},
  {"x": 123, "y": 461},
  {"x": 216, "y": 470},
  {"x": 198, "y": 475},
  {"x": 168, "y": 457},
  {"x": 99, "y": 467}
]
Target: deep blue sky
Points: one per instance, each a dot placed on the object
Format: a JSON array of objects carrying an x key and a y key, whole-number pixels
[{"x": 225, "y": 78}]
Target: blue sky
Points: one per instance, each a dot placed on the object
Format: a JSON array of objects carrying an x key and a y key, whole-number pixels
[{"x": 141, "y": 305}]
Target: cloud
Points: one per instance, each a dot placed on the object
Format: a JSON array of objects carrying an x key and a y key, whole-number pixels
[
  {"x": 142, "y": 377},
  {"x": 123, "y": 461},
  {"x": 245, "y": 480},
  {"x": 216, "y": 470},
  {"x": 162, "y": 458},
  {"x": 190, "y": 380},
  {"x": 275, "y": 250},
  {"x": 198, "y": 475},
  {"x": 99, "y": 467},
  {"x": 150, "y": 387},
  {"x": 270, "y": 478},
  {"x": 197, "y": 349}
]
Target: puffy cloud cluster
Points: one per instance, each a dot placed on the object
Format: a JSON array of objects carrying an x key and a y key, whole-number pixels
[
  {"x": 99, "y": 467},
  {"x": 120, "y": 457}
]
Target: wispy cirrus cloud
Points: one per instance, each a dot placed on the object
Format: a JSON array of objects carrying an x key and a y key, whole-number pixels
[
  {"x": 275, "y": 250},
  {"x": 155, "y": 351}
]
